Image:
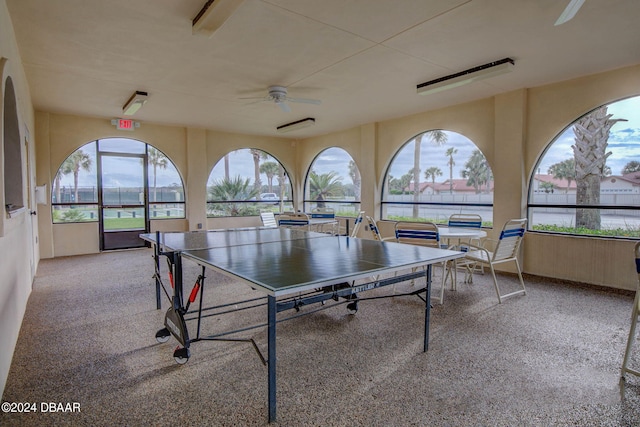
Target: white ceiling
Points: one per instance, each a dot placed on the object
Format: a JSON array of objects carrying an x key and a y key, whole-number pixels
[{"x": 362, "y": 58}]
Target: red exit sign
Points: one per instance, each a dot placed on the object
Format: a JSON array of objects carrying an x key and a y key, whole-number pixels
[{"x": 125, "y": 124}]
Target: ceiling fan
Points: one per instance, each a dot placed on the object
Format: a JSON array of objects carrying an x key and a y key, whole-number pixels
[
  {"x": 570, "y": 11},
  {"x": 278, "y": 95}
]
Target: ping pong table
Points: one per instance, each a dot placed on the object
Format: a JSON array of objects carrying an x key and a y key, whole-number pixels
[{"x": 304, "y": 268}]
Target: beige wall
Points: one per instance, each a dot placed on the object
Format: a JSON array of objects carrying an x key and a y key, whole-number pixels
[
  {"x": 60, "y": 135},
  {"x": 19, "y": 240}
]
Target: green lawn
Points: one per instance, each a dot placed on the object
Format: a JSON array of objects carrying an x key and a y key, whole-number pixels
[{"x": 123, "y": 223}]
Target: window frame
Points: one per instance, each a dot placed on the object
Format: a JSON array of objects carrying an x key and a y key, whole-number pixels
[
  {"x": 440, "y": 219},
  {"x": 307, "y": 202},
  {"x": 97, "y": 202},
  {"x": 597, "y": 234},
  {"x": 259, "y": 205}
]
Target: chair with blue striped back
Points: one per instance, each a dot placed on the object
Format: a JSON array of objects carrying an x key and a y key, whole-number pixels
[
  {"x": 356, "y": 224},
  {"x": 462, "y": 220},
  {"x": 465, "y": 220},
  {"x": 635, "y": 316},
  {"x": 506, "y": 250},
  {"x": 375, "y": 231},
  {"x": 294, "y": 220},
  {"x": 325, "y": 214},
  {"x": 373, "y": 227},
  {"x": 422, "y": 234}
]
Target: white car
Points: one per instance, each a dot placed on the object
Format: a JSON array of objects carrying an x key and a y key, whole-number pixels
[{"x": 269, "y": 197}]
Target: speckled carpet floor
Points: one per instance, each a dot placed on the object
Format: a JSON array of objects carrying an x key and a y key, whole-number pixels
[{"x": 550, "y": 358}]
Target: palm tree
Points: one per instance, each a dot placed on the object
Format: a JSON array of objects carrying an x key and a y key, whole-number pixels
[
  {"x": 449, "y": 153},
  {"x": 631, "y": 167},
  {"x": 354, "y": 173},
  {"x": 591, "y": 140},
  {"x": 477, "y": 171},
  {"x": 323, "y": 186},
  {"x": 432, "y": 173},
  {"x": 282, "y": 180},
  {"x": 270, "y": 169},
  {"x": 564, "y": 170},
  {"x": 233, "y": 190},
  {"x": 226, "y": 166},
  {"x": 547, "y": 186},
  {"x": 392, "y": 183},
  {"x": 416, "y": 176},
  {"x": 157, "y": 160},
  {"x": 257, "y": 184},
  {"x": 405, "y": 180},
  {"x": 76, "y": 161},
  {"x": 436, "y": 136},
  {"x": 64, "y": 170}
]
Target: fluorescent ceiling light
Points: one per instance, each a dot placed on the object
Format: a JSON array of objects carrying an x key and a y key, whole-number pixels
[
  {"x": 300, "y": 124},
  {"x": 213, "y": 14},
  {"x": 570, "y": 11},
  {"x": 137, "y": 100},
  {"x": 468, "y": 76}
]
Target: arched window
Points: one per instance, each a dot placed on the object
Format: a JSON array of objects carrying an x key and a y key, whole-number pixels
[
  {"x": 587, "y": 181},
  {"x": 82, "y": 184},
  {"x": 333, "y": 181},
  {"x": 13, "y": 191},
  {"x": 436, "y": 174},
  {"x": 247, "y": 181}
]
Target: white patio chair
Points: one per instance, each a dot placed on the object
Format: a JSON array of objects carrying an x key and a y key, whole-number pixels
[
  {"x": 356, "y": 224},
  {"x": 506, "y": 250},
  {"x": 422, "y": 234},
  {"x": 635, "y": 316},
  {"x": 323, "y": 213},
  {"x": 375, "y": 231},
  {"x": 294, "y": 220},
  {"x": 467, "y": 221},
  {"x": 328, "y": 214},
  {"x": 268, "y": 219}
]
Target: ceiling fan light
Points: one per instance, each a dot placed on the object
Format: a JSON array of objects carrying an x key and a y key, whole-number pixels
[
  {"x": 213, "y": 15},
  {"x": 471, "y": 75},
  {"x": 135, "y": 102}
]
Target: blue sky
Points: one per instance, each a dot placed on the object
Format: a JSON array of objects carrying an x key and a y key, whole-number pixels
[
  {"x": 624, "y": 142},
  {"x": 624, "y": 139},
  {"x": 434, "y": 155}
]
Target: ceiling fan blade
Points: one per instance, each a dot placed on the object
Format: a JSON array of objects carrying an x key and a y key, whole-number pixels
[
  {"x": 261, "y": 98},
  {"x": 255, "y": 101},
  {"x": 284, "y": 106},
  {"x": 570, "y": 11},
  {"x": 305, "y": 100}
]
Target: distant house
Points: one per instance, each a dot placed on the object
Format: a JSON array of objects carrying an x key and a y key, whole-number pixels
[
  {"x": 544, "y": 183},
  {"x": 615, "y": 184},
  {"x": 459, "y": 187},
  {"x": 425, "y": 188},
  {"x": 621, "y": 184}
]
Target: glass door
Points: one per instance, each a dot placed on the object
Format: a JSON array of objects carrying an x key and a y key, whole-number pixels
[{"x": 122, "y": 200}]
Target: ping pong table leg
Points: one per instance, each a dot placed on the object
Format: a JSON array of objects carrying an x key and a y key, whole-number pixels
[
  {"x": 156, "y": 260},
  {"x": 427, "y": 309},
  {"x": 271, "y": 356}
]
